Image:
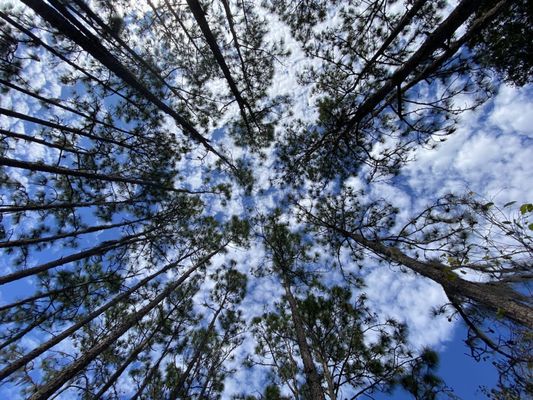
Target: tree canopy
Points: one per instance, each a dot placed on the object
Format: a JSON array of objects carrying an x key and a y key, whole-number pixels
[{"x": 193, "y": 196}]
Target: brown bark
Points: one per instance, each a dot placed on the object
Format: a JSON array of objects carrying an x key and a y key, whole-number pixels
[{"x": 497, "y": 298}]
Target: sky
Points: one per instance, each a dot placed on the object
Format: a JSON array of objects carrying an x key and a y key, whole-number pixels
[{"x": 489, "y": 155}]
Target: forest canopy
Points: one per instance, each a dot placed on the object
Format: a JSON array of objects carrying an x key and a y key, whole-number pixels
[{"x": 209, "y": 199}]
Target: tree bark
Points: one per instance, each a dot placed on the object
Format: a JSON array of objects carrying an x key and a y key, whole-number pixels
[
  {"x": 199, "y": 16},
  {"x": 497, "y": 299},
  {"x": 92, "y": 45}
]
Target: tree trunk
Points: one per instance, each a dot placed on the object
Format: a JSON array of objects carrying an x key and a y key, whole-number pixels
[
  {"x": 196, "y": 356},
  {"x": 57, "y": 206},
  {"x": 45, "y": 391},
  {"x": 24, "y": 117},
  {"x": 435, "y": 40},
  {"x": 37, "y": 166},
  {"x": 199, "y": 16},
  {"x": 57, "y": 103},
  {"x": 28, "y": 357},
  {"x": 63, "y": 147},
  {"x": 32, "y": 241},
  {"x": 496, "y": 298},
  {"x": 92, "y": 45},
  {"x": 311, "y": 374},
  {"x": 97, "y": 250}
]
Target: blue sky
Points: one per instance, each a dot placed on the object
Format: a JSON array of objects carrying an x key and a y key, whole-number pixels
[{"x": 489, "y": 155}]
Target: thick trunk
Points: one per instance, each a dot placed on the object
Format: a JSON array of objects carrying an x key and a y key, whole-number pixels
[
  {"x": 311, "y": 374},
  {"x": 480, "y": 23},
  {"x": 495, "y": 298},
  {"x": 45, "y": 391}
]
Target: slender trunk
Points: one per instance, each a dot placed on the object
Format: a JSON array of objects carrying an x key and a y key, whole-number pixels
[
  {"x": 152, "y": 371},
  {"x": 25, "y": 331},
  {"x": 36, "y": 40},
  {"x": 435, "y": 40},
  {"x": 57, "y": 206},
  {"x": 131, "y": 358},
  {"x": 62, "y": 147},
  {"x": 208, "y": 378},
  {"x": 180, "y": 384},
  {"x": 57, "y": 103},
  {"x": 32, "y": 241},
  {"x": 229, "y": 17},
  {"x": 30, "y": 356},
  {"x": 146, "y": 66},
  {"x": 45, "y": 391},
  {"x": 311, "y": 374},
  {"x": 178, "y": 20},
  {"x": 327, "y": 376},
  {"x": 199, "y": 16},
  {"x": 404, "y": 21},
  {"x": 94, "y": 251},
  {"x": 63, "y": 128},
  {"x": 93, "y": 46},
  {"x": 47, "y": 294},
  {"x": 37, "y": 166}
]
